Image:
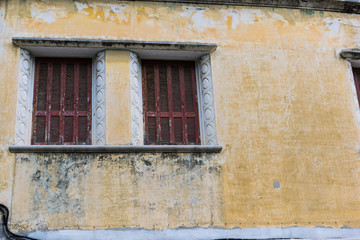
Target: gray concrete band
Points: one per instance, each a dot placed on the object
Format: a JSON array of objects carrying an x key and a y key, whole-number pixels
[
  {"x": 115, "y": 149},
  {"x": 113, "y": 44}
]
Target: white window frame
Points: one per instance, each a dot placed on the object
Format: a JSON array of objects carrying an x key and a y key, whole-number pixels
[
  {"x": 206, "y": 105},
  {"x": 25, "y": 94}
]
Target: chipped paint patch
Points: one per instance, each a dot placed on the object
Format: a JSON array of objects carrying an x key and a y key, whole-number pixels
[
  {"x": 250, "y": 16},
  {"x": 231, "y": 15},
  {"x": 278, "y": 17},
  {"x": 80, "y": 7},
  {"x": 199, "y": 21},
  {"x": 47, "y": 16},
  {"x": 333, "y": 25}
]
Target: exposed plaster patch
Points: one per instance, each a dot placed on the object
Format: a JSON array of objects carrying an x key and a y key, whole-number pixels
[
  {"x": 234, "y": 15},
  {"x": 117, "y": 8},
  {"x": 199, "y": 21},
  {"x": 110, "y": 11},
  {"x": 248, "y": 16},
  {"x": 48, "y": 16},
  {"x": 278, "y": 17},
  {"x": 333, "y": 25},
  {"x": 81, "y": 6}
]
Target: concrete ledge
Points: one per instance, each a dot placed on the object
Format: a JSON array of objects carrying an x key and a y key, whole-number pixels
[
  {"x": 350, "y": 54},
  {"x": 202, "y": 234},
  {"x": 115, "y": 149},
  {"x": 345, "y": 6},
  {"x": 113, "y": 44}
]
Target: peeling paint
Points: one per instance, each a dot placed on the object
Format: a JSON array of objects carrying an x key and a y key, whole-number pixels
[
  {"x": 333, "y": 25},
  {"x": 251, "y": 16},
  {"x": 81, "y": 6},
  {"x": 163, "y": 186},
  {"x": 285, "y": 112}
]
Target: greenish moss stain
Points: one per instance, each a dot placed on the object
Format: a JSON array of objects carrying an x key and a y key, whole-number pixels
[
  {"x": 59, "y": 181},
  {"x": 307, "y": 12}
]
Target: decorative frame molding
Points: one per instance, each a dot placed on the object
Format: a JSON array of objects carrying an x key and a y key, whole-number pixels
[
  {"x": 206, "y": 101},
  {"x": 352, "y": 57},
  {"x": 25, "y": 94},
  {"x": 137, "y": 123},
  {"x": 99, "y": 111},
  {"x": 24, "y": 98}
]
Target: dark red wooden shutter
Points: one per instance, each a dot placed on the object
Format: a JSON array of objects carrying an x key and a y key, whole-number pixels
[
  {"x": 62, "y": 101},
  {"x": 170, "y": 103}
]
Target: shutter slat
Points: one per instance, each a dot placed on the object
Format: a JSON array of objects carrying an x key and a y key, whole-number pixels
[
  {"x": 82, "y": 130},
  {"x": 164, "y": 104},
  {"x": 54, "y": 129},
  {"x": 165, "y": 131},
  {"x": 42, "y": 87},
  {"x": 69, "y": 88},
  {"x": 69, "y": 130}
]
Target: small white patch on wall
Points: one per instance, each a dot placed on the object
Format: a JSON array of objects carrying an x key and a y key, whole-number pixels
[
  {"x": 48, "y": 16},
  {"x": 250, "y": 16},
  {"x": 199, "y": 21},
  {"x": 278, "y": 17},
  {"x": 235, "y": 17},
  {"x": 333, "y": 25},
  {"x": 118, "y": 9},
  {"x": 81, "y": 6}
]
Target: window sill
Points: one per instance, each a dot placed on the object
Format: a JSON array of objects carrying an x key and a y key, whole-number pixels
[{"x": 116, "y": 149}]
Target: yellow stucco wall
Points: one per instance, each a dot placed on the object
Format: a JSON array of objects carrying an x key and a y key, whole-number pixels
[
  {"x": 118, "y": 114},
  {"x": 285, "y": 112}
]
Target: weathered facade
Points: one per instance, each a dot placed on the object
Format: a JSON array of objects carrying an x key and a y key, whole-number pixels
[{"x": 279, "y": 120}]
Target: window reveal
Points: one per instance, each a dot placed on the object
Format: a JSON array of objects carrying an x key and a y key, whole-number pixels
[
  {"x": 356, "y": 72},
  {"x": 62, "y": 101},
  {"x": 170, "y": 103}
]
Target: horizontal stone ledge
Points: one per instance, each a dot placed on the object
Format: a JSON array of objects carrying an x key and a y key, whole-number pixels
[
  {"x": 113, "y": 44},
  {"x": 350, "y": 54},
  {"x": 345, "y": 6},
  {"x": 115, "y": 149}
]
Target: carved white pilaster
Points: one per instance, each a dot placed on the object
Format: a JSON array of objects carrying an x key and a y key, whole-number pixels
[
  {"x": 24, "y": 99},
  {"x": 137, "y": 125},
  {"x": 99, "y": 100},
  {"x": 207, "y": 108}
]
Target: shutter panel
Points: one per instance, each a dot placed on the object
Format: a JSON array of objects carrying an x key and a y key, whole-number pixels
[
  {"x": 42, "y": 87},
  {"x": 69, "y": 88},
  {"x": 40, "y": 129},
  {"x": 170, "y": 105},
  {"x": 62, "y": 101},
  {"x": 56, "y": 86},
  {"x": 69, "y": 130}
]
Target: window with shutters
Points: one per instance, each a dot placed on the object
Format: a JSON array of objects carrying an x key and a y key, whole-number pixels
[
  {"x": 170, "y": 102},
  {"x": 62, "y": 101},
  {"x": 356, "y": 72}
]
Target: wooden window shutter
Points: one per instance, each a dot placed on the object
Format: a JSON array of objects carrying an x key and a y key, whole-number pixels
[
  {"x": 170, "y": 103},
  {"x": 62, "y": 101}
]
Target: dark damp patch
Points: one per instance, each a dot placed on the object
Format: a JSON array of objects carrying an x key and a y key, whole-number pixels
[{"x": 307, "y": 12}]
